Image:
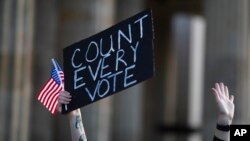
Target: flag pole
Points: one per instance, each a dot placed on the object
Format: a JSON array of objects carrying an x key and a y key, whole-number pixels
[{"x": 54, "y": 63}]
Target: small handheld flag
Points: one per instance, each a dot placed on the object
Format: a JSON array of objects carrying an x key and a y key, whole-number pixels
[
  {"x": 48, "y": 95},
  {"x": 59, "y": 70}
]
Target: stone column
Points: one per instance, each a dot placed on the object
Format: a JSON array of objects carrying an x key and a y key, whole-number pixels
[
  {"x": 244, "y": 66},
  {"x": 184, "y": 107},
  {"x": 16, "y": 65},
  {"x": 43, "y": 123}
]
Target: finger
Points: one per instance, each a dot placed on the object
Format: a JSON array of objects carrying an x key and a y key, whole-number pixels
[
  {"x": 63, "y": 101},
  {"x": 226, "y": 91},
  {"x": 59, "y": 107},
  {"x": 222, "y": 88},
  {"x": 216, "y": 95},
  {"x": 64, "y": 98},
  {"x": 65, "y": 94},
  {"x": 59, "y": 104},
  {"x": 217, "y": 86},
  {"x": 232, "y": 98}
]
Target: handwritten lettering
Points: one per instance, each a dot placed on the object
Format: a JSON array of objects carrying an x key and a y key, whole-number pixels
[{"x": 108, "y": 63}]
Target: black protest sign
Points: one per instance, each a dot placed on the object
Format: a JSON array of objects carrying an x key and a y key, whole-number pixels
[{"x": 110, "y": 61}]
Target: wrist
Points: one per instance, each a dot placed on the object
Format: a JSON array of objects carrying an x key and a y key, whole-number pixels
[
  {"x": 224, "y": 128},
  {"x": 224, "y": 120},
  {"x": 74, "y": 113}
]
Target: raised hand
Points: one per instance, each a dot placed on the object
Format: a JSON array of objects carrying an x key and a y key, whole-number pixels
[{"x": 225, "y": 104}]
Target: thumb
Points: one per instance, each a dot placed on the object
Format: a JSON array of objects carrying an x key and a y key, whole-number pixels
[
  {"x": 232, "y": 98},
  {"x": 59, "y": 107}
]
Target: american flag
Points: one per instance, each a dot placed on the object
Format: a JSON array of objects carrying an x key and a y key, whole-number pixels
[{"x": 48, "y": 96}]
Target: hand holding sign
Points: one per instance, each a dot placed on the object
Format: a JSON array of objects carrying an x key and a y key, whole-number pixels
[
  {"x": 110, "y": 61},
  {"x": 63, "y": 99}
]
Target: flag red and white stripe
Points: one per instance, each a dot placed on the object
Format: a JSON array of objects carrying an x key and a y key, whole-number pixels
[{"x": 48, "y": 95}]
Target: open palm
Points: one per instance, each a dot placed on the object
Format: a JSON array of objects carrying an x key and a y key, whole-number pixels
[{"x": 225, "y": 104}]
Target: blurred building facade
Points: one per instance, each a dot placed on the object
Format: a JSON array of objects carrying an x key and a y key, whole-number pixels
[{"x": 33, "y": 32}]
